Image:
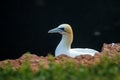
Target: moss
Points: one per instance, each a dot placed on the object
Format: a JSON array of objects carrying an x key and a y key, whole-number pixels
[{"x": 106, "y": 69}]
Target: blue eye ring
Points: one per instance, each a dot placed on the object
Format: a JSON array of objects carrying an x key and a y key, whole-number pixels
[{"x": 62, "y": 29}]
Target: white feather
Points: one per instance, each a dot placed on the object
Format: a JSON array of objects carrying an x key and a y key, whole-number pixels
[{"x": 64, "y": 47}]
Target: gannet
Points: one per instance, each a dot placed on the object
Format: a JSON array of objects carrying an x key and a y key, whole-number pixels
[{"x": 64, "y": 47}]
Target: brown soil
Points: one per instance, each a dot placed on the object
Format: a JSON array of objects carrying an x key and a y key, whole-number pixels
[{"x": 108, "y": 49}]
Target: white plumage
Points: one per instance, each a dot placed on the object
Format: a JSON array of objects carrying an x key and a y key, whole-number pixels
[{"x": 64, "y": 47}]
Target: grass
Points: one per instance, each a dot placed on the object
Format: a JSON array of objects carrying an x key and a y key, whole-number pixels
[{"x": 107, "y": 69}]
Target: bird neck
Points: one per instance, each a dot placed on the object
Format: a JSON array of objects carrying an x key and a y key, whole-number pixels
[{"x": 65, "y": 43}]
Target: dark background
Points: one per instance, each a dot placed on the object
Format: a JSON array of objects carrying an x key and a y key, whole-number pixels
[{"x": 24, "y": 24}]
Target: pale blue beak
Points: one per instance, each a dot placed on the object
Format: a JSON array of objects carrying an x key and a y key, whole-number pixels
[{"x": 55, "y": 30}]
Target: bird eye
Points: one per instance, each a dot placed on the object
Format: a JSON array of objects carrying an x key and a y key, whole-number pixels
[{"x": 62, "y": 29}]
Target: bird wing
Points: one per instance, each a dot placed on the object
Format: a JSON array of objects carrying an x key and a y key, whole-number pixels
[{"x": 82, "y": 51}]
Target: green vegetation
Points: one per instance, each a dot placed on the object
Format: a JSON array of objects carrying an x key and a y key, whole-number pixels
[{"x": 107, "y": 69}]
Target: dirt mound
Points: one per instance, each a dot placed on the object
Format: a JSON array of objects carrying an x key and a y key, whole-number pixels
[{"x": 35, "y": 61}]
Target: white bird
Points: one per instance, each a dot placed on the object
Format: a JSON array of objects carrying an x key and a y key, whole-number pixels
[{"x": 64, "y": 47}]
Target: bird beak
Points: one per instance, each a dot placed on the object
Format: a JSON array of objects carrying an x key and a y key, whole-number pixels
[{"x": 55, "y": 30}]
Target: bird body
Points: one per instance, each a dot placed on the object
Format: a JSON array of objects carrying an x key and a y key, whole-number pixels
[{"x": 64, "y": 47}]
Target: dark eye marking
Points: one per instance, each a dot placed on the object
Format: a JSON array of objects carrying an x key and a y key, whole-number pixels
[{"x": 62, "y": 29}]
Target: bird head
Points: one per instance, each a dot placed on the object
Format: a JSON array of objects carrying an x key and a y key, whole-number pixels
[{"x": 62, "y": 29}]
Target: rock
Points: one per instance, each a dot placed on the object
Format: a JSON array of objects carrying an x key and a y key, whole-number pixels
[{"x": 111, "y": 50}]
